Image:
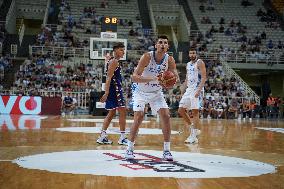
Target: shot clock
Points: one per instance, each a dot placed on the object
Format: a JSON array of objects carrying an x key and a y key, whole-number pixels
[{"x": 109, "y": 24}]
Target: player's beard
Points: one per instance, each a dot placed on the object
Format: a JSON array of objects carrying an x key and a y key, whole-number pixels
[
  {"x": 162, "y": 50},
  {"x": 192, "y": 58}
]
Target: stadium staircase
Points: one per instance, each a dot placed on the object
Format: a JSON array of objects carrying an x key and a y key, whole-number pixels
[
  {"x": 144, "y": 13},
  {"x": 10, "y": 39},
  {"x": 9, "y": 77},
  {"x": 23, "y": 50},
  {"x": 188, "y": 13},
  {"x": 53, "y": 18},
  {"x": 4, "y": 9},
  {"x": 229, "y": 72}
]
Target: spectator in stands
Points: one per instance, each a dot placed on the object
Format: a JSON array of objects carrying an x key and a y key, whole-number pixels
[
  {"x": 130, "y": 23},
  {"x": 213, "y": 30},
  {"x": 245, "y": 107},
  {"x": 207, "y": 108},
  {"x": 280, "y": 45},
  {"x": 228, "y": 32},
  {"x": 210, "y": 5},
  {"x": 263, "y": 35},
  {"x": 233, "y": 109},
  {"x": 243, "y": 47},
  {"x": 232, "y": 23},
  {"x": 260, "y": 12},
  {"x": 33, "y": 92},
  {"x": 278, "y": 103},
  {"x": 138, "y": 17},
  {"x": 174, "y": 106},
  {"x": 206, "y": 20},
  {"x": 70, "y": 21},
  {"x": 270, "y": 103},
  {"x": 252, "y": 108},
  {"x": 104, "y": 4},
  {"x": 270, "y": 44},
  {"x": 220, "y": 109},
  {"x": 68, "y": 104},
  {"x": 1, "y": 72},
  {"x": 208, "y": 37},
  {"x": 222, "y": 20},
  {"x": 221, "y": 29}
]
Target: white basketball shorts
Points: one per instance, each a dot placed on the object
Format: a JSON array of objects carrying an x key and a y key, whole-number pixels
[
  {"x": 188, "y": 100},
  {"x": 155, "y": 99}
]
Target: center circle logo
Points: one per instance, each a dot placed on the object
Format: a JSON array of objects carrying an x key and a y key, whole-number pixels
[{"x": 147, "y": 163}]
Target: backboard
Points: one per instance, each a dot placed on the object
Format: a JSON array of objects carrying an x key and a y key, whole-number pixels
[{"x": 100, "y": 47}]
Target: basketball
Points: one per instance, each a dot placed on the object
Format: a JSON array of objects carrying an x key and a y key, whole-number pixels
[{"x": 168, "y": 79}]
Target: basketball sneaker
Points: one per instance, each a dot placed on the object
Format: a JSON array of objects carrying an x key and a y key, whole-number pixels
[
  {"x": 167, "y": 156},
  {"x": 129, "y": 154},
  {"x": 123, "y": 141},
  {"x": 191, "y": 140},
  {"x": 103, "y": 140}
]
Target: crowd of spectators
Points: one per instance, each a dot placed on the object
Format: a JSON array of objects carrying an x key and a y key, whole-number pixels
[
  {"x": 254, "y": 46},
  {"x": 269, "y": 17},
  {"x": 43, "y": 72}
]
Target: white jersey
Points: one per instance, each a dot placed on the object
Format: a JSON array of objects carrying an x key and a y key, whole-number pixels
[
  {"x": 193, "y": 78},
  {"x": 153, "y": 70}
]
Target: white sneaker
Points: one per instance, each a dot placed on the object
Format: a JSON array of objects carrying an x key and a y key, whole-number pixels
[
  {"x": 129, "y": 154},
  {"x": 167, "y": 156},
  {"x": 191, "y": 140},
  {"x": 123, "y": 141},
  {"x": 103, "y": 140}
]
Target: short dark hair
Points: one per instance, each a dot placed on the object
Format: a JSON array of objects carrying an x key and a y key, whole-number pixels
[
  {"x": 118, "y": 45},
  {"x": 192, "y": 49},
  {"x": 162, "y": 37}
]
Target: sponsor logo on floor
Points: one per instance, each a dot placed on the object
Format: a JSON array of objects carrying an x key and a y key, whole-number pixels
[{"x": 147, "y": 163}]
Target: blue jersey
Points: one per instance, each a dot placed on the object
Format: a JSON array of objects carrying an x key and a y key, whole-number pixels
[
  {"x": 115, "y": 98},
  {"x": 68, "y": 100}
]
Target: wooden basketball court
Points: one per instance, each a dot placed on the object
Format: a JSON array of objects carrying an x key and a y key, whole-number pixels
[{"x": 231, "y": 138}]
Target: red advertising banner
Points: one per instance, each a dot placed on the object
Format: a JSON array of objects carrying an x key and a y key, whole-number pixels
[
  {"x": 51, "y": 106},
  {"x": 30, "y": 105}
]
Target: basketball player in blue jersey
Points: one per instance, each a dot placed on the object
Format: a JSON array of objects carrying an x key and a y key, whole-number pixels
[
  {"x": 113, "y": 96},
  {"x": 149, "y": 90},
  {"x": 190, "y": 99}
]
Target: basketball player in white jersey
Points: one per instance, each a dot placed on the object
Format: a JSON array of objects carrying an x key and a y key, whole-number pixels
[
  {"x": 190, "y": 99},
  {"x": 149, "y": 90}
]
